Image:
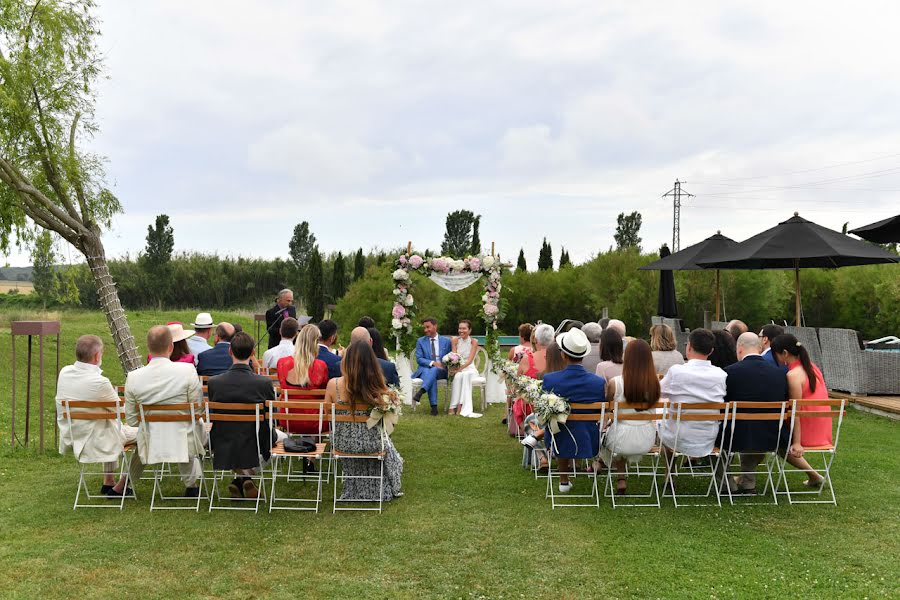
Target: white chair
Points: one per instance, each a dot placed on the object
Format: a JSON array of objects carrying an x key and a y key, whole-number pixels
[
  {"x": 219, "y": 476},
  {"x": 754, "y": 412},
  {"x": 480, "y": 381},
  {"x": 825, "y": 452},
  {"x": 683, "y": 466},
  {"x": 417, "y": 384},
  {"x": 338, "y": 456},
  {"x": 651, "y": 498},
  {"x": 96, "y": 410},
  {"x": 282, "y": 408},
  {"x": 594, "y": 413}
]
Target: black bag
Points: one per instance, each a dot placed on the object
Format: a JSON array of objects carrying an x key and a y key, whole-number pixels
[{"x": 298, "y": 445}]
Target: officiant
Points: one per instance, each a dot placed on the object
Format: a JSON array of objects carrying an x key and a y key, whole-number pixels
[{"x": 284, "y": 308}]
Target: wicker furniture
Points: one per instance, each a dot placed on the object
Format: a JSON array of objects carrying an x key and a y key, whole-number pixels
[{"x": 858, "y": 371}]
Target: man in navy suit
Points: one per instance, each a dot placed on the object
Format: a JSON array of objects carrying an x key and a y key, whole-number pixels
[
  {"x": 769, "y": 333},
  {"x": 430, "y": 349},
  {"x": 388, "y": 369},
  {"x": 578, "y": 439},
  {"x": 328, "y": 329},
  {"x": 217, "y": 360},
  {"x": 753, "y": 379}
]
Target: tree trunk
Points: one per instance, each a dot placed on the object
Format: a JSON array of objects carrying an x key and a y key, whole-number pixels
[{"x": 109, "y": 301}]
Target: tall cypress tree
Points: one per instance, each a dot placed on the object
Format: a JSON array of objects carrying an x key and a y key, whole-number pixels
[
  {"x": 339, "y": 277},
  {"x": 520, "y": 264},
  {"x": 359, "y": 265},
  {"x": 315, "y": 286},
  {"x": 476, "y": 238},
  {"x": 545, "y": 259},
  {"x": 564, "y": 259}
]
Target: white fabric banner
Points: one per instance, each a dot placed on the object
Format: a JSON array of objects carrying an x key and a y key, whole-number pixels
[
  {"x": 454, "y": 281},
  {"x": 405, "y": 371},
  {"x": 496, "y": 390}
]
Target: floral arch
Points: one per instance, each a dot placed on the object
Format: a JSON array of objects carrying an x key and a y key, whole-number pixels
[{"x": 453, "y": 275}]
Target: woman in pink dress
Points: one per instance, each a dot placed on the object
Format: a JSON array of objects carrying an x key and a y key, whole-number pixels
[{"x": 805, "y": 382}]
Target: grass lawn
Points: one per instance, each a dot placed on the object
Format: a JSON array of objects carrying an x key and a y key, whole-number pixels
[{"x": 473, "y": 523}]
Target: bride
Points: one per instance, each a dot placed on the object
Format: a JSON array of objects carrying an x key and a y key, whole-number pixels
[{"x": 461, "y": 391}]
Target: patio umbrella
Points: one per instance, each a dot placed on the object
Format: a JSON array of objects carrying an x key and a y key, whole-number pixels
[
  {"x": 882, "y": 232},
  {"x": 799, "y": 244},
  {"x": 666, "y": 306},
  {"x": 688, "y": 259}
]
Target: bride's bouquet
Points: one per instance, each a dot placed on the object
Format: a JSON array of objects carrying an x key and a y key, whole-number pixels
[{"x": 452, "y": 360}]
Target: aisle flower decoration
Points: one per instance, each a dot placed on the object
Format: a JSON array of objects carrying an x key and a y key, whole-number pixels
[
  {"x": 388, "y": 412},
  {"x": 551, "y": 411}
]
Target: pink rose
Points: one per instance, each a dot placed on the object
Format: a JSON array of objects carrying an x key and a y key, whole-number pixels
[
  {"x": 415, "y": 261},
  {"x": 399, "y": 312},
  {"x": 491, "y": 309},
  {"x": 440, "y": 265},
  {"x": 475, "y": 264},
  {"x": 402, "y": 261}
]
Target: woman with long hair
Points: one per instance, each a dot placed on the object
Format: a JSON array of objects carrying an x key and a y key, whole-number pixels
[
  {"x": 378, "y": 343},
  {"x": 638, "y": 385},
  {"x": 612, "y": 349},
  {"x": 461, "y": 389},
  {"x": 725, "y": 350},
  {"x": 358, "y": 390},
  {"x": 664, "y": 348},
  {"x": 303, "y": 371},
  {"x": 805, "y": 382}
]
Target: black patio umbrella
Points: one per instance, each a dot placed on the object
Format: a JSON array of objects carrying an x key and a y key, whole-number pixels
[
  {"x": 882, "y": 232},
  {"x": 666, "y": 306},
  {"x": 688, "y": 259},
  {"x": 799, "y": 244}
]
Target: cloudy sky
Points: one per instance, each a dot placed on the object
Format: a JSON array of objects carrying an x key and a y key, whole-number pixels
[{"x": 372, "y": 120}]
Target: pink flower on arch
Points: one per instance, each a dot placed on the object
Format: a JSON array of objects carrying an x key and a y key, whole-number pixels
[
  {"x": 399, "y": 312},
  {"x": 415, "y": 261},
  {"x": 402, "y": 261},
  {"x": 491, "y": 309},
  {"x": 475, "y": 264},
  {"x": 440, "y": 265}
]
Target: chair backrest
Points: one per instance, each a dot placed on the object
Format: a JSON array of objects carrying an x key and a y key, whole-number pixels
[
  {"x": 268, "y": 371},
  {"x": 698, "y": 411},
  {"x": 652, "y": 413},
  {"x": 839, "y": 412},
  {"x": 758, "y": 410},
  {"x": 272, "y": 376},
  {"x": 348, "y": 418},
  {"x": 280, "y": 410},
  {"x": 481, "y": 358},
  {"x": 593, "y": 411},
  {"x": 212, "y": 412},
  {"x": 167, "y": 413},
  {"x": 303, "y": 395},
  {"x": 91, "y": 410},
  {"x": 204, "y": 379}
]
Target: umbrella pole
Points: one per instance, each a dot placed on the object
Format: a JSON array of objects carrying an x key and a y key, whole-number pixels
[
  {"x": 797, "y": 291},
  {"x": 717, "y": 295}
]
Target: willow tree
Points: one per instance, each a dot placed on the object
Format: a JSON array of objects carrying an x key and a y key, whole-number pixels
[{"x": 49, "y": 67}]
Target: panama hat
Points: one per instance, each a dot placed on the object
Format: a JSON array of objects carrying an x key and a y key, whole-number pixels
[
  {"x": 203, "y": 321},
  {"x": 574, "y": 343},
  {"x": 180, "y": 333}
]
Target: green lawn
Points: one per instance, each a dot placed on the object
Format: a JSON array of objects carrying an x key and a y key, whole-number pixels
[{"x": 472, "y": 524}]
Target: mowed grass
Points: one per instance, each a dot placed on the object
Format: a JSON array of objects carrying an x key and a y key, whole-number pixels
[{"x": 472, "y": 524}]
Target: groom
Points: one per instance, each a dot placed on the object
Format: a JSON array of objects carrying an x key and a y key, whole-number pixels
[{"x": 430, "y": 349}]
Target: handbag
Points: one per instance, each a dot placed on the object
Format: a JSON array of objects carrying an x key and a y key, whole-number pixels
[{"x": 298, "y": 445}]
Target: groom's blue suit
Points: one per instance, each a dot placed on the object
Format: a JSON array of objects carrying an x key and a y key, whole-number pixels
[{"x": 424, "y": 356}]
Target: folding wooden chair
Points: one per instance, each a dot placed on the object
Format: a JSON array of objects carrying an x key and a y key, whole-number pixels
[
  {"x": 322, "y": 431},
  {"x": 97, "y": 410},
  {"x": 594, "y": 412},
  {"x": 651, "y": 414},
  {"x": 683, "y": 412},
  {"x": 756, "y": 412},
  {"x": 181, "y": 412},
  {"x": 222, "y": 412},
  {"x": 337, "y": 465},
  {"x": 282, "y": 410},
  {"x": 826, "y": 452}
]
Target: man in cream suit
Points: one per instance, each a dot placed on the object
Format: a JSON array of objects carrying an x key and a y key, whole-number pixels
[
  {"x": 165, "y": 382},
  {"x": 92, "y": 441}
]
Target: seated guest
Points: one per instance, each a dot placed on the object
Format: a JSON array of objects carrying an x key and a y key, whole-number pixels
[
  {"x": 516, "y": 353},
  {"x": 165, "y": 382},
  {"x": 696, "y": 381},
  {"x": 553, "y": 362},
  {"x": 569, "y": 324},
  {"x": 288, "y": 331},
  {"x": 378, "y": 344},
  {"x": 180, "y": 337},
  {"x": 234, "y": 443},
  {"x": 724, "y": 352},
  {"x": 592, "y": 331},
  {"x": 617, "y": 325},
  {"x": 611, "y": 354},
  {"x": 531, "y": 365},
  {"x": 736, "y": 328},
  {"x": 576, "y": 439},
  {"x": 604, "y": 323},
  {"x": 753, "y": 379},
  {"x": 388, "y": 369},
  {"x": 199, "y": 343},
  {"x": 303, "y": 371},
  {"x": 217, "y": 359},
  {"x": 329, "y": 331},
  {"x": 665, "y": 348},
  {"x": 94, "y": 441},
  {"x": 766, "y": 335},
  {"x": 637, "y": 385},
  {"x": 367, "y": 322},
  {"x": 359, "y": 389},
  {"x": 805, "y": 381}
]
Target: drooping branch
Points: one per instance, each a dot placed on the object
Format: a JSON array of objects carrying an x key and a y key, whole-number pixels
[
  {"x": 21, "y": 184},
  {"x": 75, "y": 176},
  {"x": 45, "y": 144}
]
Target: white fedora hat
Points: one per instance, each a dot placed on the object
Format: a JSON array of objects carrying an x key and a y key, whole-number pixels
[
  {"x": 574, "y": 343},
  {"x": 203, "y": 321},
  {"x": 180, "y": 333}
]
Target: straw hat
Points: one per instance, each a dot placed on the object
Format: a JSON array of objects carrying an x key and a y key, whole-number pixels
[
  {"x": 574, "y": 343},
  {"x": 180, "y": 333},
  {"x": 203, "y": 321}
]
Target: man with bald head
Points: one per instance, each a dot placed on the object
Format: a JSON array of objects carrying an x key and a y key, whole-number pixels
[
  {"x": 736, "y": 328},
  {"x": 753, "y": 379},
  {"x": 388, "y": 369},
  {"x": 162, "y": 381},
  {"x": 217, "y": 360}
]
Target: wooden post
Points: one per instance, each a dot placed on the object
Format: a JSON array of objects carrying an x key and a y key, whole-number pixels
[
  {"x": 409, "y": 248},
  {"x": 717, "y": 295},
  {"x": 797, "y": 289},
  {"x": 492, "y": 248}
]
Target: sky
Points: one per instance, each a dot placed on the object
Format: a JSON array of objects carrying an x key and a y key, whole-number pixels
[{"x": 373, "y": 120}]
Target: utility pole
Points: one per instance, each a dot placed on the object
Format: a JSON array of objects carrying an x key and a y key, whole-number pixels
[{"x": 676, "y": 193}]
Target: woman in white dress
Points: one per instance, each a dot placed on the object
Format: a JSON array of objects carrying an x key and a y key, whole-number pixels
[
  {"x": 461, "y": 388},
  {"x": 638, "y": 385}
]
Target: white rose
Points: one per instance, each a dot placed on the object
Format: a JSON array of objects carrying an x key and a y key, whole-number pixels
[
  {"x": 400, "y": 275},
  {"x": 396, "y": 323},
  {"x": 397, "y": 292},
  {"x": 409, "y": 300},
  {"x": 487, "y": 262}
]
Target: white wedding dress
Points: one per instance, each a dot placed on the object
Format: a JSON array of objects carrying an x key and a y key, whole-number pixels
[{"x": 461, "y": 389}]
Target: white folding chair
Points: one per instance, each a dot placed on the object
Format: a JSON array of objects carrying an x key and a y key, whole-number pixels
[
  {"x": 339, "y": 474},
  {"x": 224, "y": 412},
  {"x": 825, "y": 452},
  {"x": 97, "y": 410},
  {"x": 165, "y": 415},
  {"x": 683, "y": 466},
  {"x": 753, "y": 412},
  {"x": 594, "y": 413},
  {"x": 480, "y": 381},
  {"x": 282, "y": 409},
  {"x": 651, "y": 498},
  {"x": 417, "y": 385}
]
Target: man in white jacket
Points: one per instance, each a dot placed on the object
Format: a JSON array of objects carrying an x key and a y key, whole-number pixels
[
  {"x": 165, "y": 382},
  {"x": 93, "y": 441}
]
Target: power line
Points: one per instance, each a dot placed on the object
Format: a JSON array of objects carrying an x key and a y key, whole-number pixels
[{"x": 833, "y": 166}]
